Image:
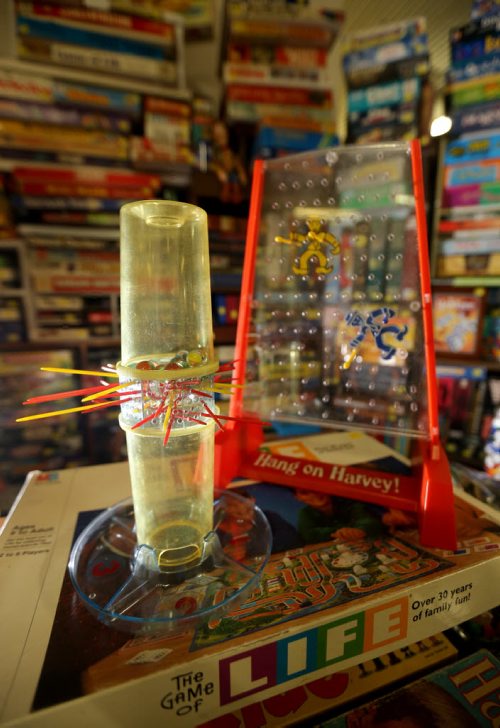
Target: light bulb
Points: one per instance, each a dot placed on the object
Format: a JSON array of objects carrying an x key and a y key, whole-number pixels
[{"x": 440, "y": 125}]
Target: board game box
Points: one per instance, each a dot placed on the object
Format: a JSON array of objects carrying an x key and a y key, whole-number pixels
[
  {"x": 465, "y": 694},
  {"x": 333, "y": 692},
  {"x": 347, "y": 583}
]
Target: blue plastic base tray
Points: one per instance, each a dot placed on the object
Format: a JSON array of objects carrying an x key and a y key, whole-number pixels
[{"x": 120, "y": 582}]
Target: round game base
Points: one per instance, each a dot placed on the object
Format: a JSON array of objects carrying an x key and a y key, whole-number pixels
[{"x": 120, "y": 582}]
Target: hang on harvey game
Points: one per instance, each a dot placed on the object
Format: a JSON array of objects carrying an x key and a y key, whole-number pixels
[{"x": 335, "y": 323}]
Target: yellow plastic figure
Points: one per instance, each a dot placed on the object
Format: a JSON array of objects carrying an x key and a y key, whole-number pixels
[{"x": 316, "y": 240}]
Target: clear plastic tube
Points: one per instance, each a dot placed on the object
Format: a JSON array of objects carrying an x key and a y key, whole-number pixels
[
  {"x": 166, "y": 374},
  {"x": 165, "y": 280}
]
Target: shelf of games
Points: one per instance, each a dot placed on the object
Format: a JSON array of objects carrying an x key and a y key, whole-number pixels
[
  {"x": 387, "y": 71},
  {"x": 85, "y": 97},
  {"x": 275, "y": 75},
  {"x": 466, "y": 249},
  {"x": 94, "y": 112}
]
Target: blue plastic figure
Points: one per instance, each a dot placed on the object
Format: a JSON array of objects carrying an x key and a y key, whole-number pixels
[{"x": 377, "y": 329}]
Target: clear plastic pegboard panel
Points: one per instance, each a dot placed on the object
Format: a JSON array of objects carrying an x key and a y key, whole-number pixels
[{"x": 336, "y": 324}]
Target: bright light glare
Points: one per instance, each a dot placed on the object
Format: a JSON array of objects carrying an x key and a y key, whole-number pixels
[{"x": 441, "y": 125}]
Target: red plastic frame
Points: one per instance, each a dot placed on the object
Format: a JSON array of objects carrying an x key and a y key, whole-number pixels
[{"x": 429, "y": 491}]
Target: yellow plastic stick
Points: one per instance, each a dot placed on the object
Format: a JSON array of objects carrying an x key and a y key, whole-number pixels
[
  {"x": 105, "y": 392},
  {"x": 223, "y": 387},
  {"x": 168, "y": 414},
  {"x": 59, "y": 370},
  {"x": 347, "y": 363}
]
